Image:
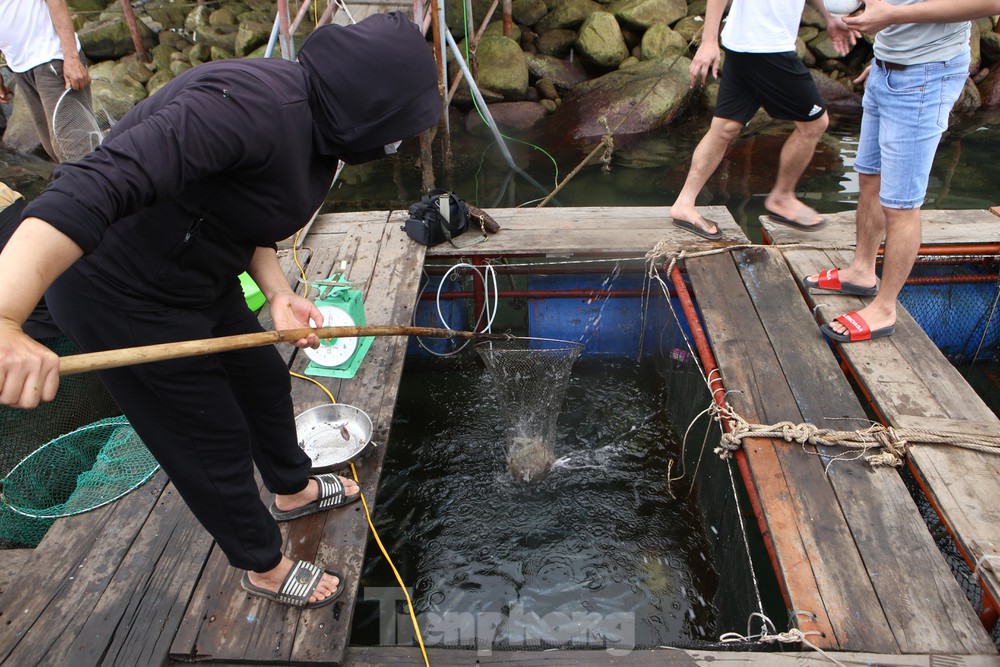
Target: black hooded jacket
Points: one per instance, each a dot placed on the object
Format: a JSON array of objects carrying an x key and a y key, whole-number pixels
[{"x": 234, "y": 155}]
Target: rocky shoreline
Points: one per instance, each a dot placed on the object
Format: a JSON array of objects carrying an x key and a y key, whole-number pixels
[{"x": 571, "y": 67}]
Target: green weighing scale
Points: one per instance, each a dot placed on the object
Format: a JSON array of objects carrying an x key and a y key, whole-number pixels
[{"x": 341, "y": 307}]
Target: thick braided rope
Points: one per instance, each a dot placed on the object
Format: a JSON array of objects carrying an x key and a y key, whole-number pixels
[{"x": 892, "y": 443}]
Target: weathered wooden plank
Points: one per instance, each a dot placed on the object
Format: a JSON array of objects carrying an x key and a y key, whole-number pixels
[
  {"x": 361, "y": 656},
  {"x": 227, "y": 626},
  {"x": 143, "y": 604},
  {"x": 591, "y": 231},
  {"x": 939, "y": 227},
  {"x": 926, "y": 609},
  {"x": 734, "y": 332},
  {"x": 339, "y": 224},
  {"x": 64, "y": 581},
  {"x": 907, "y": 375},
  {"x": 389, "y": 298},
  {"x": 223, "y": 622},
  {"x": 12, "y": 563}
]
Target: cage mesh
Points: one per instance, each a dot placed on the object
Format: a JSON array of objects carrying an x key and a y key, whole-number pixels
[
  {"x": 530, "y": 376},
  {"x": 81, "y": 399},
  {"x": 957, "y": 308}
]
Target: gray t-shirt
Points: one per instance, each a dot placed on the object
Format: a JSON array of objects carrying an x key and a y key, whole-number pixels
[{"x": 917, "y": 43}]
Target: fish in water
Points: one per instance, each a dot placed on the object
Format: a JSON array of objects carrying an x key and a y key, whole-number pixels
[
  {"x": 344, "y": 433},
  {"x": 529, "y": 459}
]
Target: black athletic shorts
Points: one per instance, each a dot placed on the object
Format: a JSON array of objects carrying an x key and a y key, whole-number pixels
[{"x": 777, "y": 81}]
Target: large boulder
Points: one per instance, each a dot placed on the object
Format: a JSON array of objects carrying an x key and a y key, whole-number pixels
[
  {"x": 502, "y": 67},
  {"x": 556, "y": 43},
  {"x": 989, "y": 90},
  {"x": 21, "y": 135},
  {"x": 168, "y": 14},
  {"x": 569, "y": 14},
  {"x": 970, "y": 100},
  {"x": 822, "y": 47},
  {"x": 528, "y": 12},
  {"x": 508, "y": 116},
  {"x": 837, "y": 95},
  {"x": 564, "y": 74},
  {"x": 222, "y": 37},
  {"x": 976, "y": 58},
  {"x": 110, "y": 39},
  {"x": 642, "y": 14},
  {"x": 689, "y": 26},
  {"x": 660, "y": 42},
  {"x": 989, "y": 47},
  {"x": 600, "y": 41},
  {"x": 651, "y": 94},
  {"x": 249, "y": 36}
]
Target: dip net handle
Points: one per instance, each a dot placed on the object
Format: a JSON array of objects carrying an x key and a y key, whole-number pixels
[{"x": 97, "y": 361}]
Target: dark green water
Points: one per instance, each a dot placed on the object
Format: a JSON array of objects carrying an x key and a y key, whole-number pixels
[
  {"x": 598, "y": 553},
  {"x": 650, "y": 171}
]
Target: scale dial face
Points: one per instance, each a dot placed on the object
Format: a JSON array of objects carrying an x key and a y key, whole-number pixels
[{"x": 336, "y": 352}]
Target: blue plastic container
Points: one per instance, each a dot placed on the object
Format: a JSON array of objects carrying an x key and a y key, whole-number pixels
[{"x": 607, "y": 326}]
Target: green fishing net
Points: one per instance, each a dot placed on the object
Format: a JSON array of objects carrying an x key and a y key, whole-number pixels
[{"x": 57, "y": 460}]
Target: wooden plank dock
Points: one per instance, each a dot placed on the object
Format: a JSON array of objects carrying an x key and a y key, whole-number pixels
[
  {"x": 912, "y": 385},
  {"x": 140, "y": 582}
]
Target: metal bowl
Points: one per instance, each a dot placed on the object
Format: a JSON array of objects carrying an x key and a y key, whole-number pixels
[{"x": 333, "y": 434}]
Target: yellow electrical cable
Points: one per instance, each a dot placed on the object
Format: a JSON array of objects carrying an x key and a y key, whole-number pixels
[
  {"x": 302, "y": 271},
  {"x": 378, "y": 540},
  {"x": 399, "y": 579}
]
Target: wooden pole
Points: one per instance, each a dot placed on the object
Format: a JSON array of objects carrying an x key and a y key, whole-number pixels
[
  {"x": 98, "y": 361},
  {"x": 133, "y": 28}
]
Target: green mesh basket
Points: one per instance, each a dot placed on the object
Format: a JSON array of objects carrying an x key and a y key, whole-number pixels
[{"x": 80, "y": 471}]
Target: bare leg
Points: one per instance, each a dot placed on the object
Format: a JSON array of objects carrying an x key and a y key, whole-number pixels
[
  {"x": 706, "y": 158},
  {"x": 902, "y": 244},
  {"x": 795, "y": 156},
  {"x": 272, "y": 580},
  {"x": 871, "y": 228}
]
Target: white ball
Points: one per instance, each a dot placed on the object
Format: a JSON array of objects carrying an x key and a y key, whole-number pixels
[{"x": 842, "y": 7}]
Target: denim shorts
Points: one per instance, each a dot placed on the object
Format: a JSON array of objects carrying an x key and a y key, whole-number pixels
[{"x": 905, "y": 113}]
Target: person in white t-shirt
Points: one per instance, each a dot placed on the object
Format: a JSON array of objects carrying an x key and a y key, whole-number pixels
[
  {"x": 42, "y": 50},
  {"x": 761, "y": 69}
]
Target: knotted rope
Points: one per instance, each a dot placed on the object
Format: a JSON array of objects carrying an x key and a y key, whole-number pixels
[
  {"x": 891, "y": 443},
  {"x": 608, "y": 142},
  {"x": 768, "y": 635}
]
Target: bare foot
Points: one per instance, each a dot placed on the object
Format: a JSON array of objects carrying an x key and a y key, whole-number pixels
[
  {"x": 310, "y": 494},
  {"x": 272, "y": 580},
  {"x": 876, "y": 318},
  {"x": 852, "y": 276},
  {"x": 793, "y": 209},
  {"x": 691, "y": 214}
]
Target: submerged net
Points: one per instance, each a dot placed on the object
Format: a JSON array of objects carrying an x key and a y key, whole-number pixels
[
  {"x": 530, "y": 376},
  {"x": 47, "y": 481}
]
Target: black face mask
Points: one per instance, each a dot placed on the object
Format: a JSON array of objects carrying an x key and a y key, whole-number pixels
[{"x": 369, "y": 84}]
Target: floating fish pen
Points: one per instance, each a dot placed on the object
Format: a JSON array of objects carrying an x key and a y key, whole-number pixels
[
  {"x": 672, "y": 496},
  {"x": 634, "y": 534}
]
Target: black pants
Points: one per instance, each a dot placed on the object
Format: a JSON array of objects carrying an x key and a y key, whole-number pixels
[{"x": 207, "y": 419}]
